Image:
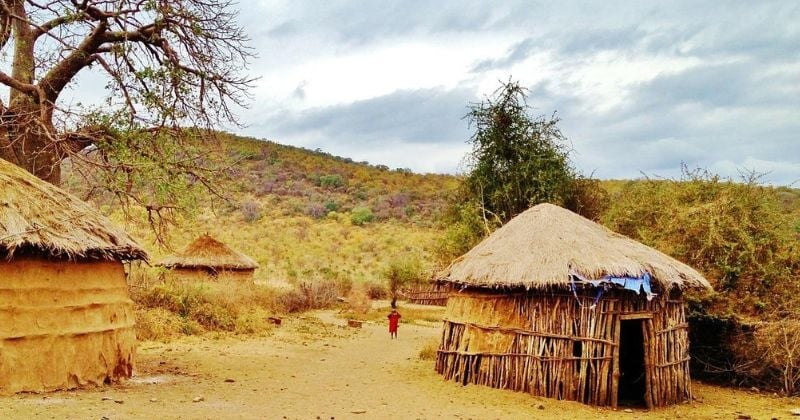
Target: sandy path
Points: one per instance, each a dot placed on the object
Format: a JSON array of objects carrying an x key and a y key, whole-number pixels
[{"x": 315, "y": 367}]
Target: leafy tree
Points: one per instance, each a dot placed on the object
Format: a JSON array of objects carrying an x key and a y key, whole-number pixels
[
  {"x": 401, "y": 272},
  {"x": 165, "y": 65},
  {"x": 517, "y": 160}
]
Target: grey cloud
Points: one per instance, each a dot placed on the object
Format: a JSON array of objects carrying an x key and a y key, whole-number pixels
[
  {"x": 739, "y": 104},
  {"x": 416, "y": 116}
]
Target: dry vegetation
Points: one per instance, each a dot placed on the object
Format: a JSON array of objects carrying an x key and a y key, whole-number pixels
[{"x": 323, "y": 227}]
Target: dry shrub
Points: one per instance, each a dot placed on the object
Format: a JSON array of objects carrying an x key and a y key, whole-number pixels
[
  {"x": 358, "y": 301},
  {"x": 770, "y": 355},
  {"x": 173, "y": 308},
  {"x": 376, "y": 290},
  {"x": 736, "y": 233},
  {"x": 252, "y": 322},
  {"x": 309, "y": 295},
  {"x": 157, "y": 324},
  {"x": 429, "y": 350}
]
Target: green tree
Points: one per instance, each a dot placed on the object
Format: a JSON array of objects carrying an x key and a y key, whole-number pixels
[
  {"x": 401, "y": 272},
  {"x": 517, "y": 160},
  {"x": 165, "y": 65}
]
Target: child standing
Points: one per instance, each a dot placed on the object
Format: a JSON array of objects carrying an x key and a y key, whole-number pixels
[{"x": 394, "y": 320}]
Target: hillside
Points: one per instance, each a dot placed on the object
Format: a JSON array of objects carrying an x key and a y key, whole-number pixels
[{"x": 307, "y": 215}]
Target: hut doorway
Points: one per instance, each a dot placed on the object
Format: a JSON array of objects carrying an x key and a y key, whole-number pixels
[{"x": 631, "y": 387}]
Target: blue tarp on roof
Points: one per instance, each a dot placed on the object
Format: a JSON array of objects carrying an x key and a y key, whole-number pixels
[{"x": 639, "y": 285}]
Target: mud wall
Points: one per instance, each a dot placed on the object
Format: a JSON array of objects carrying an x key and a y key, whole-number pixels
[{"x": 64, "y": 325}]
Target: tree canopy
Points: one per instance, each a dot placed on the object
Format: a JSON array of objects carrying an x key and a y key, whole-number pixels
[
  {"x": 517, "y": 160},
  {"x": 164, "y": 65}
]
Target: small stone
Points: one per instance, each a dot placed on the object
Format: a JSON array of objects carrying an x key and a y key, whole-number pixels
[
  {"x": 358, "y": 412},
  {"x": 198, "y": 399},
  {"x": 754, "y": 389},
  {"x": 795, "y": 411},
  {"x": 119, "y": 401},
  {"x": 743, "y": 417},
  {"x": 107, "y": 398},
  {"x": 229, "y": 380},
  {"x": 627, "y": 410},
  {"x": 153, "y": 399},
  {"x": 540, "y": 406}
]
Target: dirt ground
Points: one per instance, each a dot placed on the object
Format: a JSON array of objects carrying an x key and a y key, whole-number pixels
[{"x": 315, "y": 367}]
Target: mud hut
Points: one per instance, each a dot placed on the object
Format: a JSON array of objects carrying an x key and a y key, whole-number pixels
[
  {"x": 209, "y": 259},
  {"x": 561, "y": 307},
  {"x": 66, "y": 319}
]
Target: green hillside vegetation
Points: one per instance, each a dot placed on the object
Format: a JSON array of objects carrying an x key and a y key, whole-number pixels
[{"x": 305, "y": 215}]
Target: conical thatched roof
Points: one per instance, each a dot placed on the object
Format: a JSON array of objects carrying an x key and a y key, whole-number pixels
[
  {"x": 537, "y": 249},
  {"x": 207, "y": 252},
  {"x": 39, "y": 218}
]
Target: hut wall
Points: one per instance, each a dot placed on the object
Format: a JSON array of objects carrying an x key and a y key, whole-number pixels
[
  {"x": 206, "y": 276},
  {"x": 63, "y": 325},
  {"x": 558, "y": 346},
  {"x": 432, "y": 295}
]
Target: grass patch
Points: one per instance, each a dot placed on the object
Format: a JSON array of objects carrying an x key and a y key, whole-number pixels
[{"x": 429, "y": 350}]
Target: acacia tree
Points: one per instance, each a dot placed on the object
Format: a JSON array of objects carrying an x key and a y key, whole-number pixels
[
  {"x": 166, "y": 64},
  {"x": 517, "y": 160}
]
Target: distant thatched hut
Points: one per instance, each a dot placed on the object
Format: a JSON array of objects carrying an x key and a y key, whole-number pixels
[
  {"x": 209, "y": 259},
  {"x": 65, "y": 316},
  {"x": 543, "y": 308}
]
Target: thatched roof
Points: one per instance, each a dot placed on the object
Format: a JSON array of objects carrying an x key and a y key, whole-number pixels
[
  {"x": 537, "y": 249},
  {"x": 40, "y": 219},
  {"x": 208, "y": 253}
]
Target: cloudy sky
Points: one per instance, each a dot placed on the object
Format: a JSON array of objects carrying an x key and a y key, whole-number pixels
[{"x": 640, "y": 87}]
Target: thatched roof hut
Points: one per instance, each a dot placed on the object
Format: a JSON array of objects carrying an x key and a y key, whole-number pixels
[
  {"x": 559, "y": 306},
  {"x": 207, "y": 257},
  {"x": 66, "y": 319}
]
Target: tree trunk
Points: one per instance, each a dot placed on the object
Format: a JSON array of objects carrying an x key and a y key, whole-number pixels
[{"x": 25, "y": 141}]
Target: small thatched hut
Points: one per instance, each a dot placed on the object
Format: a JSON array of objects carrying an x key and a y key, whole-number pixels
[
  {"x": 209, "y": 259},
  {"x": 66, "y": 319},
  {"x": 559, "y": 306}
]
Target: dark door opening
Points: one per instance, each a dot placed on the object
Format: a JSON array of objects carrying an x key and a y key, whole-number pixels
[{"x": 631, "y": 364}]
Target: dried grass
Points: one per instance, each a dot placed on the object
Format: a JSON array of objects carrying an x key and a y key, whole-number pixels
[
  {"x": 207, "y": 252},
  {"x": 39, "y": 218},
  {"x": 536, "y": 250}
]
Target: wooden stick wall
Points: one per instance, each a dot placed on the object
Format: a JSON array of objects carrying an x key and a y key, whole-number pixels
[{"x": 560, "y": 346}]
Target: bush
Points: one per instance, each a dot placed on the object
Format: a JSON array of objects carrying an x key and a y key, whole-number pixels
[
  {"x": 429, "y": 350},
  {"x": 157, "y": 324},
  {"x": 251, "y": 210},
  {"x": 403, "y": 271},
  {"x": 309, "y": 295},
  {"x": 170, "y": 309},
  {"x": 376, "y": 290},
  {"x": 358, "y": 301},
  {"x": 316, "y": 210},
  {"x": 361, "y": 216},
  {"x": 331, "y": 181}
]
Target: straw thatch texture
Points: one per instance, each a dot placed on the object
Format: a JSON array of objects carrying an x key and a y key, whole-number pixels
[
  {"x": 39, "y": 218},
  {"x": 208, "y": 253},
  {"x": 536, "y": 250}
]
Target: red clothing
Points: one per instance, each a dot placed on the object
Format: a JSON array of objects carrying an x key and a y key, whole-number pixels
[{"x": 394, "y": 319}]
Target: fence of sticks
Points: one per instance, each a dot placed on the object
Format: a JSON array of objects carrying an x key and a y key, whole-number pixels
[
  {"x": 435, "y": 295},
  {"x": 563, "y": 346}
]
